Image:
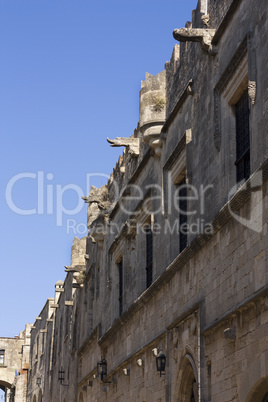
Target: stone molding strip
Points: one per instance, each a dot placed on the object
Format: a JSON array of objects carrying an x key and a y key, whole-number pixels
[
  {"x": 88, "y": 341},
  {"x": 224, "y": 215},
  {"x": 188, "y": 90},
  {"x": 244, "y": 304},
  {"x": 226, "y": 21},
  {"x": 137, "y": 352}
]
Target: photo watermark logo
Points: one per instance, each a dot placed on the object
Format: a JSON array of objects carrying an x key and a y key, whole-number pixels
[{"x": 183, "y": 206}]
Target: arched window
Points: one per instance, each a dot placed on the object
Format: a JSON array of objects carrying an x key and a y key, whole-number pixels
[{"x": 40, "y": 398}]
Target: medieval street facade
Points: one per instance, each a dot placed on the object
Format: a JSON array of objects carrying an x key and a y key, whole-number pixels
[{"x": 166, "y": 299}]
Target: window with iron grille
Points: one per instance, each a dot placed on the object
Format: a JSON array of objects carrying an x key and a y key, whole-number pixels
[
  {"x": 120, "y": 294},
  {"x": 242, "y": 138},
  {"x": 183, "y": 214},
  {"x": 2, "y": 357},
  {"x": 149, "y": 256}
]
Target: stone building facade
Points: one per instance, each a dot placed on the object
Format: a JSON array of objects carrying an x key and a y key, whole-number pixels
[
  {"x": 14, "y": 365},
  {"x": 150, "y": 278}
]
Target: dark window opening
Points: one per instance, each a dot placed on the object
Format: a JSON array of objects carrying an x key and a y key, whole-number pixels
[
  {"x": 183, "y": 214},
  {"x": 242, "y": 138},
  {"x": 149, "y": 256},
  {"x": 265, "y": 399},
  {"x": 75, "y": 331},
  {"x": 120, "y": 294},
  {"x": 194, "y": 396}
]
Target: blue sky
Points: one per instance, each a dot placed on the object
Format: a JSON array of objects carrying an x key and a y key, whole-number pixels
[{"x": 70, "y": 76}]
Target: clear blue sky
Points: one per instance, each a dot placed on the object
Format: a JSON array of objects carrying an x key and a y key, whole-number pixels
[{"x": 70, "y": 76}]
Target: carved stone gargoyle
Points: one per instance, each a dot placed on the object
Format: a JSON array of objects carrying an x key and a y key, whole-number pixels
[
  {"x": 98, "y": 195},
  {"x": 204, "y": 36},
  {"x": 131, "y": 143},
  {"x": 98, "y": 228},
  {"x": 98, "y": 201}
]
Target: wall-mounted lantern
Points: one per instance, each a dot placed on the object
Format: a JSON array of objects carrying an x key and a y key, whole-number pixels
[
  {"x": 102, "y": 370},
  {"x": 38, "y": 381},
  {"x": 61, "y": 376},
  {"x": 160, "y": 362}
]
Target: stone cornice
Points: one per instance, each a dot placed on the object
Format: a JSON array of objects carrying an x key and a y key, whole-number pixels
[{"x": 88, "y": 341}]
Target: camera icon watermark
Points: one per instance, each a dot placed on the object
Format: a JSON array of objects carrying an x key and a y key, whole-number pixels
[{"x": 254, "y": 218}]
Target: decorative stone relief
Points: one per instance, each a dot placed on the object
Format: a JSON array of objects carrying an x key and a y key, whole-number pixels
[
  {"x": 98, "y": 229},
  {"x": 133, "y": 144},
  {"x": 98, "y": 201},
  {"x": 252, "y": 91},
  {"x": 204, "y": 36}
]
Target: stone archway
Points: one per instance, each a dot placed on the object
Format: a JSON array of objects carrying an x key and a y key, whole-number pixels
[
  {"x": 187, "y": 388},
  {"x": 6, "y": 388},
  {"x": 40, "y": 396},
  {"x": 259, "y": 392}
]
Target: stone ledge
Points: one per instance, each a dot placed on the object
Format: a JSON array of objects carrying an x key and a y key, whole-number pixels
[{"x": 248, "y": 301}]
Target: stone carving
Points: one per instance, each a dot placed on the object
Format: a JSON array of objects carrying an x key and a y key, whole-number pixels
[
  {"x": 152, "y": 137},
  {"x": 252, "y": 91},
  {"x": 133, "y": 144},
  {"x": 204, "y": 36},
  {"x": 98, "y": 228},
  {"x": 99, "y": 196},
  {"x": 98, "y": 200},
  {"x": 205, "y": 19}
]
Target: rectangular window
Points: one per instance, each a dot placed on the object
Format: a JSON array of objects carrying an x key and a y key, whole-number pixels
[
  {"x": 120, "y": 291},
  {"x": 2, "y": 357},
  {"x": 37, "y": 347},
  {"x": 67, "y": 322},
  {"x": 183, "y": 214},
  {"x": 242, "y": 138},
  {"x": 149, "y": 255}
]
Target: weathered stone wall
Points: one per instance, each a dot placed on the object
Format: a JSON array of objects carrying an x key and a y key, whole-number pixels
[{"x": 13, "y": 371}]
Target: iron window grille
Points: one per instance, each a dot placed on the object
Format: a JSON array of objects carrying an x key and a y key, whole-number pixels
[
  {"x": 120, "y": 295},
  {"x": 149, "y": 256},
  {"x": 242, "y": 138},
  {"x": 183, "y": 214}
]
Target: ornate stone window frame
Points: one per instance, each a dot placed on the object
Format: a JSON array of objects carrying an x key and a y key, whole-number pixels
[
  {"x": 175, "y": 168},
  {"x": 232, "y": 78}
]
